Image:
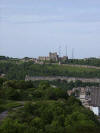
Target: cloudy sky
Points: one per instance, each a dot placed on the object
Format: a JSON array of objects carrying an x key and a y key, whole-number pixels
[{"x": 35, "y": 27}]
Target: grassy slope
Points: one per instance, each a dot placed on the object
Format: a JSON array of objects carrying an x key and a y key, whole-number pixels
[{"x": 20, "y": 70}]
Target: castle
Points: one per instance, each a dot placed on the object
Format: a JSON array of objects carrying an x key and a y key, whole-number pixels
[{"x": 53, "y": 57}]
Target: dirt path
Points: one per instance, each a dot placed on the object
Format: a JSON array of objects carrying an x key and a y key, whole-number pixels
[{"x": 3, "y": 115}]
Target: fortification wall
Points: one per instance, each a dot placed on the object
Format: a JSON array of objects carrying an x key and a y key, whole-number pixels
[{"x": 35, "y": 78}]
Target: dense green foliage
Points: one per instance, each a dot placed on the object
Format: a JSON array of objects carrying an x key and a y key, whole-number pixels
[
  {"x": 67, "y": 85},
  {"x": 45, "y": 108},
  {"x": 18, "y": 71},
  {"x": 21, "y": 90},
  {"x": 4, "y": 58},
  {"x": 90, "y": 62},
  {"x": 51, "y": 117}
]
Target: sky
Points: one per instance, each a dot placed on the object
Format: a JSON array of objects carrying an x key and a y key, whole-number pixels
[{"x": 36, "y": 27}]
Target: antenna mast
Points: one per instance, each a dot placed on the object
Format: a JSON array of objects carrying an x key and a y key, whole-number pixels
[
  {"x": 59, "y": 54},
  {"x": 59, "y": 51},
  {"x": 72, "y": 53},
  {"x": 66, "y": 51}
]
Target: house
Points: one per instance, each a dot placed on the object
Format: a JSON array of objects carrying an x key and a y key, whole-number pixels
[
  {"x": 95, "y": 100},
  {"x": 89, "y": 96}
]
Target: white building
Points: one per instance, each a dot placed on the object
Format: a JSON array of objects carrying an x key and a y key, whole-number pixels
[
  {"x": 96, "y": 110},
  {"x": 90, "y": 97}
]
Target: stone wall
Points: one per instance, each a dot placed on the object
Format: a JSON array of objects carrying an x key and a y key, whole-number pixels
[{"x": 50, "y": 78}]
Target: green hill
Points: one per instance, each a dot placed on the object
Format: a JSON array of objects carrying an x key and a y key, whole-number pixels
[{"x": 18, "y": 71}]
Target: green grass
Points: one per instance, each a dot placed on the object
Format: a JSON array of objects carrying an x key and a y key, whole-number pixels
[{"x": 74, "y": 71}]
